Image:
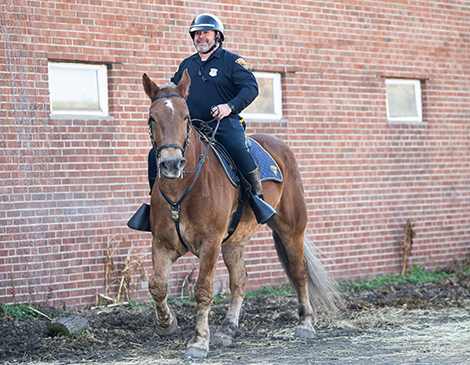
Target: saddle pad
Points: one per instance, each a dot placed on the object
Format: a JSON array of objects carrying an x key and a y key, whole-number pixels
[{"x": 269, "y": 170}]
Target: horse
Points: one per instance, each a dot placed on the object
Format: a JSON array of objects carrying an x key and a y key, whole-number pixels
[{"x": 193, "y": 214}]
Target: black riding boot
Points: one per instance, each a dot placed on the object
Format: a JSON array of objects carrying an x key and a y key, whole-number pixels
[
  {"x": 140, "y": 221},
  {"x": 263, "y": 211}
]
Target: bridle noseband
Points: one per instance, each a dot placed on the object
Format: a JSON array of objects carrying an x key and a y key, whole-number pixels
[{"x": 188, "y": 132}]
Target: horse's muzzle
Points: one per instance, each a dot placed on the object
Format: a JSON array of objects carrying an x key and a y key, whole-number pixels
[{"x": 172, "y": 168}]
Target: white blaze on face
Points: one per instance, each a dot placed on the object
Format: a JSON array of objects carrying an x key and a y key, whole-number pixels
[{"x": 169, "y": 104}]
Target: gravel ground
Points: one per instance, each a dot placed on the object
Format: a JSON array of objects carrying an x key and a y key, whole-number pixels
[{"x": 398, "y": 324}]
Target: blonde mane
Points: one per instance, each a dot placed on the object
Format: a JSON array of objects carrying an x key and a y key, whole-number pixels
[{"x": 168, "y": 87}]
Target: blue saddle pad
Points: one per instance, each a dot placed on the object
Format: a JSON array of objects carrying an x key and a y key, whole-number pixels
[{"x": 269, "y": 170}]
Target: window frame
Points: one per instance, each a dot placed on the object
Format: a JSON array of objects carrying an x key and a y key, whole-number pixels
[
  {"x": 418, "y": 100},
  {"x": 277, "y": 98},
  {"x": 102, "y": 83}
]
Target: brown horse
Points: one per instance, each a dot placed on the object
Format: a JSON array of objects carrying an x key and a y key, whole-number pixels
[{"x": 207, "y": 203}]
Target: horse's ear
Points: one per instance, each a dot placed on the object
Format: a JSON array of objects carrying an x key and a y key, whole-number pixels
[
  {"x": 150, "y": 87},
  {"x": 183, "y": 85}
]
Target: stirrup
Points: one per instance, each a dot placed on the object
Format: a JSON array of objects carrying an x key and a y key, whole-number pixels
[
  {"x": 263, "y": 211},
  {"x": 140, "y": 221}
]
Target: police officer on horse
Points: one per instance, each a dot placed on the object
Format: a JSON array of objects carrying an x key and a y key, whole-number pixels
[{"x": 222, "y": 85}]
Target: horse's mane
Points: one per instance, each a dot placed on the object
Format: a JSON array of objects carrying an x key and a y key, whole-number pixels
[{"x": 168, "y": 88}]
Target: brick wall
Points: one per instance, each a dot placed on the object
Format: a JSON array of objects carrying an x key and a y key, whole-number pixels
[{"x": 69, "y": 185}]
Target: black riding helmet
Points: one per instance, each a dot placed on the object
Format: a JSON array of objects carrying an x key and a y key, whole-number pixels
[{"x": 206, "y": 22}]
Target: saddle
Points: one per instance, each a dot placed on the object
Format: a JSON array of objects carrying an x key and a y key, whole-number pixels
[{"x": 269, "y": 170}]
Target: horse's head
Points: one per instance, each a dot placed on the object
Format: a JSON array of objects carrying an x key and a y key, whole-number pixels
[{"x": 169, "y": 124}]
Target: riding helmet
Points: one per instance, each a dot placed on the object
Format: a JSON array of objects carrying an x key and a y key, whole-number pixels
[{"x": 206, "y": 22}]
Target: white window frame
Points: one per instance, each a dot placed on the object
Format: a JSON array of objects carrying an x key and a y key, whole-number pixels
[
  {"x": 277, "y": 98},
  {"x": 417, "y": 92},
  {"x": 102, "y": 80}
]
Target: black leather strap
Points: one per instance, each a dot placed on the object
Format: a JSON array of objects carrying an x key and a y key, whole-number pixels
[
  {"x": 236, "y": 217},
  {"x": 168, "y": 96}
]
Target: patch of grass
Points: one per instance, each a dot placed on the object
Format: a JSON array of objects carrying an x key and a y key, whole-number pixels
[
  {"x": 376, "y": 282},
  {"x": 23, "y": 311},
  {"x": 223, "y": 297},
  {"x": 133, "y": 303},
  {"x": 278, "y": 291},
  {"x": 178, "y": 300},
  {"x": 417, "y": 274}
]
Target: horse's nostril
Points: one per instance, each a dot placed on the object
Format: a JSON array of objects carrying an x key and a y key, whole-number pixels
[
  {"x": 164, "y": 166},
  {"x": 182, "y": 164}
]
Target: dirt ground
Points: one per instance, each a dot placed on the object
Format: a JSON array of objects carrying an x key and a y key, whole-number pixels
[{"x": 398, "y": 324}]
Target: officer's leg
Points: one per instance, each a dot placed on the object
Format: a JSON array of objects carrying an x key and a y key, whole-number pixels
[
  {"x": 231, "y": 135},
  {"x": 141, "y": 219}
]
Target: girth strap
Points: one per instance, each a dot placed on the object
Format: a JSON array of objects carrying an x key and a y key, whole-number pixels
[{"x": 236, "y": 217}]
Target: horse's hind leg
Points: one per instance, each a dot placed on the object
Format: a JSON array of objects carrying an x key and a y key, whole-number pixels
[
  {"x": 291, "y": 254},
  {"x": 234, "y": 260}
]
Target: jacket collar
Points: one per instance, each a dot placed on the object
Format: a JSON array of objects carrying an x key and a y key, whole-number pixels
[{"x": 216, "y": 54}]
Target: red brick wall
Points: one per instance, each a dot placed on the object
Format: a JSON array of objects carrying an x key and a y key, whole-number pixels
[{"x": 68, "y": 186}]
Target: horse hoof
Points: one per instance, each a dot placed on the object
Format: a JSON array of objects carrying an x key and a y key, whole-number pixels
[
  {"x": 164, "y": 332},
  {"x": 196, "y": 353},
  {"x": 222, "y": 339},
  {"x": 305, "y": 331},
  {"x": 228, "y": 332}
]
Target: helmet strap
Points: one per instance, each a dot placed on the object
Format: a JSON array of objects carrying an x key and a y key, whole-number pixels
[{"x": 217, "y": 41}]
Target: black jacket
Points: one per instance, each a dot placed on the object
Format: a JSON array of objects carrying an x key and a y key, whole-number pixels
[{"x": 223, "y": 78}]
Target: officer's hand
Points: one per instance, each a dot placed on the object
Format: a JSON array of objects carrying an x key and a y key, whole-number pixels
[{"x": 221, "y": 111}]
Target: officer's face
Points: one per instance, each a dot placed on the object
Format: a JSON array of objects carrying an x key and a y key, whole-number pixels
[{"x": 203, "y": 40}]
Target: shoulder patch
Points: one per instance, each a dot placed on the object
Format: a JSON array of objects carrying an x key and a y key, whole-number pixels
[{"x": 242, "y": 63}]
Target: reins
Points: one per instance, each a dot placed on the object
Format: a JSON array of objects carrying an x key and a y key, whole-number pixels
[
  {"x": 210, "y": 141},
  {"x": 176, "y": 206}
]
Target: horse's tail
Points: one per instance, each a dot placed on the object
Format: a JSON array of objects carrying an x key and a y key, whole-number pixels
[{"x": 321, "y": 291}]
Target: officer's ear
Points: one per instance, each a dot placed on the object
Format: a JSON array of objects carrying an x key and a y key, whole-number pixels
[{"x": 183, "y": 86}]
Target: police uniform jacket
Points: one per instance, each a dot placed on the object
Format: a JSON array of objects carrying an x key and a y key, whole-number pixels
[{"x": 223, "y": 78}]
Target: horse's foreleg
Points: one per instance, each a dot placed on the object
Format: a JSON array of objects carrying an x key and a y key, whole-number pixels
[
  {"x": 234, "y": 260},
  {"x": 158, "y": 287},
  {"x": 198, "y": 347}
]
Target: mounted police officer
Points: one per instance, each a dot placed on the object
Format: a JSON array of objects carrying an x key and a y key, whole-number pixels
[{"x": 222, "y": 85}]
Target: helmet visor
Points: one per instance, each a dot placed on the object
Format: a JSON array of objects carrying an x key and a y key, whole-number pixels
[{"x": 201, "y": 27}]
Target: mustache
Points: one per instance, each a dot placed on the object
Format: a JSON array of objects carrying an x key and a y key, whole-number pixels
[{"x": 202, "y": 45}]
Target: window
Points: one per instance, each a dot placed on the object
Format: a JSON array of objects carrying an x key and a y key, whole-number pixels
[
  {"x": 268, "y": 104},
  {"x": 403, "y": 100},
  {"x": 78, "y": 89}
]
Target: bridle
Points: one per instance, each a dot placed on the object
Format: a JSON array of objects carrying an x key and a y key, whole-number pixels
[
  {"x": 176, "y": 206},
  {"x": 183, "y": 149},
  {"x": 188, "y": 130}
]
